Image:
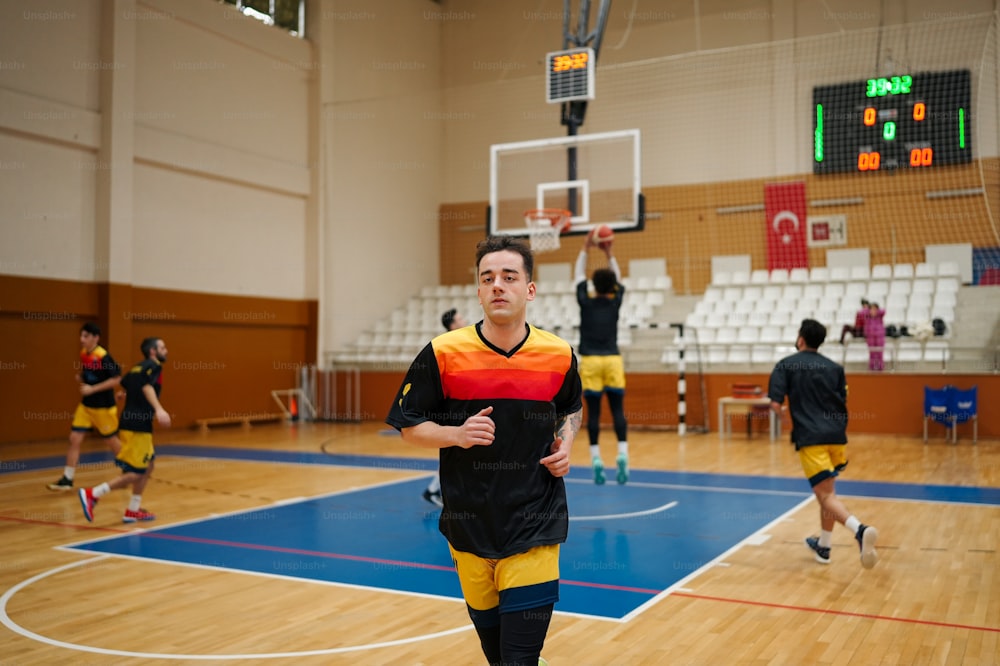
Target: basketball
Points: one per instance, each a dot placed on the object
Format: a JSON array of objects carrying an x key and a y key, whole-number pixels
[{"x": 602, "y": 236}]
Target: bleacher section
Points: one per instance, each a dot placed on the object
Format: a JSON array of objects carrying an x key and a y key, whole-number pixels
[
  {"x": 752, "y": 319},
  {"x": 741, "y": 323},
  {"x": 397, "y": 338}
]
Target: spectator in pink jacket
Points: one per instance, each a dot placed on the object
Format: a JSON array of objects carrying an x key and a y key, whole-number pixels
[{"x": 875, "y": 336}]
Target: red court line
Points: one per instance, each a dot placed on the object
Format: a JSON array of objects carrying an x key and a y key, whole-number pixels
[
  {"x": 604, "y": 586},
  {"x": 360, "y": 558},
  {"x": 870, "y": 616},
  {"x": 97, "y": 528},
  {"x": 294, "y": 551}
]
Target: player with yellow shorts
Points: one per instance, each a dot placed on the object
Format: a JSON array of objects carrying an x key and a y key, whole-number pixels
[
  {"x": 602, "y": 369},
  {"x": 142, "y": 384},
  {"x": 97, "y": 380},
  {"x": 816, "y": 389}
]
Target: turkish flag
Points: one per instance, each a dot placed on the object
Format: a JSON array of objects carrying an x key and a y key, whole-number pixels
[{"x": 785, "y": 208}]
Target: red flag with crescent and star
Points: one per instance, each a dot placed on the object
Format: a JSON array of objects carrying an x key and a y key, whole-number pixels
[{"x": 785, "y": 209}]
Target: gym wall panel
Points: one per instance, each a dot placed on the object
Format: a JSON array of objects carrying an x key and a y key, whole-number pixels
[
  {"x": 207, "y": 235},
  {"x": 382, "y": 127},
  {"x": 226, "y": 353},
  {"x": 48, "y": 214},
  {"x": 66, "y": 75},
  {"x": 194, "y": 84}
]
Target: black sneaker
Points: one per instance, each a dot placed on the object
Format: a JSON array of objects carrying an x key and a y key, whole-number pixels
[
  {"x": 822, "y": 554},
  {"x": 433, "y": 497},
  {"x": 866, "y": 538},
  {"x": 61, "y": 484}
]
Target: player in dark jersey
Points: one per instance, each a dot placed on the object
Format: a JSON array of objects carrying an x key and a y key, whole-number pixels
[
  {"x": 602, "y": 368},
  {"x": 142, "y": 386},
  {"x": 502, "y": 402},
  {"x": 816, "y": 389},
  {"x": 98, "y": 378}
]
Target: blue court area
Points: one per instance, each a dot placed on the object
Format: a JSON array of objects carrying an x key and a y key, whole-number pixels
[{"x": 627, "y": 544}]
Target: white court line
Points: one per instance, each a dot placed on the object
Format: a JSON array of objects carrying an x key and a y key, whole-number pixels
[
  {"x": 704, "y": 489},
  {"x": 18, "y": 629},
  {"x": 676, "y": 587},
  {"x": 631, "y": 514},
  {"x": 262, "y": 508}
]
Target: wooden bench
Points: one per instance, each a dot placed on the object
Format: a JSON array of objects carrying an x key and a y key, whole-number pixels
[{"x": 245, "y": 420}]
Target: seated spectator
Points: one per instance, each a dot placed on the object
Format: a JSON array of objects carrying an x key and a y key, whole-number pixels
[{"x": 858, "y": 330}]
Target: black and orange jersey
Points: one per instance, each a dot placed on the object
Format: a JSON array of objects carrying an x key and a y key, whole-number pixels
[
  {"x": 137, "y": 414},
  {"x": 498, "y": 499},
  {"x": 97, "y": 366}
]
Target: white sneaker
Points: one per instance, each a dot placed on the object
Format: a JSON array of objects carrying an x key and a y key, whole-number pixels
[{"x": 866, "y": 537}]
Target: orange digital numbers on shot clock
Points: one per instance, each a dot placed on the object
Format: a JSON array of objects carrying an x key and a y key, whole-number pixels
[{"x": 570, "y": 75}]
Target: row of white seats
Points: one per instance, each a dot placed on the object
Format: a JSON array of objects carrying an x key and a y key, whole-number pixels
[
  {"x": 894, "y": 352},
  {"x": 833, "y": 319},
  {"x": 748, "y": 335},
  {"x": 661, "y": 283},
  {"x": 553, "y": 307},
  {"x": 823, "y": 274},
  {"x": 558, "y": 316},
  {"x": 871, "y": 290},
  {"x": 825, "y": 302},
  {"x": 898, "y": 309},
  {"x": 644, "y": 282}
]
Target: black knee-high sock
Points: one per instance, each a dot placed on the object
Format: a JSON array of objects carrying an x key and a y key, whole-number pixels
[
  {"x": 487, "y": 624},
  {"x": 522, "y": 635},
  {"x": 616, "y": 401},
  {"x": 489, "y": 639},
  {"x": 593, "y": 417}
]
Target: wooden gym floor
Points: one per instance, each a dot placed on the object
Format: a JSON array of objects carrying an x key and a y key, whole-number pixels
[{"x": 934, "y": 597}]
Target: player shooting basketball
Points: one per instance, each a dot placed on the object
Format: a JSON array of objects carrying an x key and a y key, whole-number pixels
[{"x": 602, "y": 369}]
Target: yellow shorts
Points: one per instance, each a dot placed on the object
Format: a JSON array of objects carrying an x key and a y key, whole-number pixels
[
  {"x": 102, "y": 419},
  {"x": 600, "y": 373},
  {"x": 519, "y": 582},
  {"x": 137, "y": 451},
  {"x": 822, "y": 461}
]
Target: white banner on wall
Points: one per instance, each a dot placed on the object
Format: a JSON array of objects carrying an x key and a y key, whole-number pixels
[{"x": 827, "y": 231}]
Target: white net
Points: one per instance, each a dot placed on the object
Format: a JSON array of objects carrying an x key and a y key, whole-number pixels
[{"x": 544, "y": 227}]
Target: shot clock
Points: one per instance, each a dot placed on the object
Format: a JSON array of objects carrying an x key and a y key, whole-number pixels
[
  {"x": 906, "y": 121},
  {"x": 569, "y": 75}
]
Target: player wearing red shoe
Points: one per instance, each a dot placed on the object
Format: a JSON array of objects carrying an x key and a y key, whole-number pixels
[
  {"x": 98, "y": 378},
  {"x": 142, "y": 406}
]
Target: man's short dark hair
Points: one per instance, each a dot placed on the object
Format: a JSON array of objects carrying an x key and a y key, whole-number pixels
[
  {"x": 812, "y": 332},
  {"x": 448, "y": 318},
  {"x": 500, "y": 243},
  {"x": 148, "y": 345},
  {"x": 604, "y": 281},
  {"x": 91, "y": 327}
]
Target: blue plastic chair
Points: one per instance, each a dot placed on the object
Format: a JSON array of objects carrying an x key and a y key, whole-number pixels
[
  {"x": 937, "y": 407},
  {"x": 964, "y": 407}
]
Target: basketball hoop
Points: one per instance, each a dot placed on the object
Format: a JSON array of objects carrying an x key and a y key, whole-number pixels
[{"x": 545, "y": 226}]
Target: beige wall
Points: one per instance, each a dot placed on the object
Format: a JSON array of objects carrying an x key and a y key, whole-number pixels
[
  {"x": 737, "y": 109},
  {"x": 152, "y": 157},
  {"x": 381, "y": 124},
  {"x": 176, "y": 145}
]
